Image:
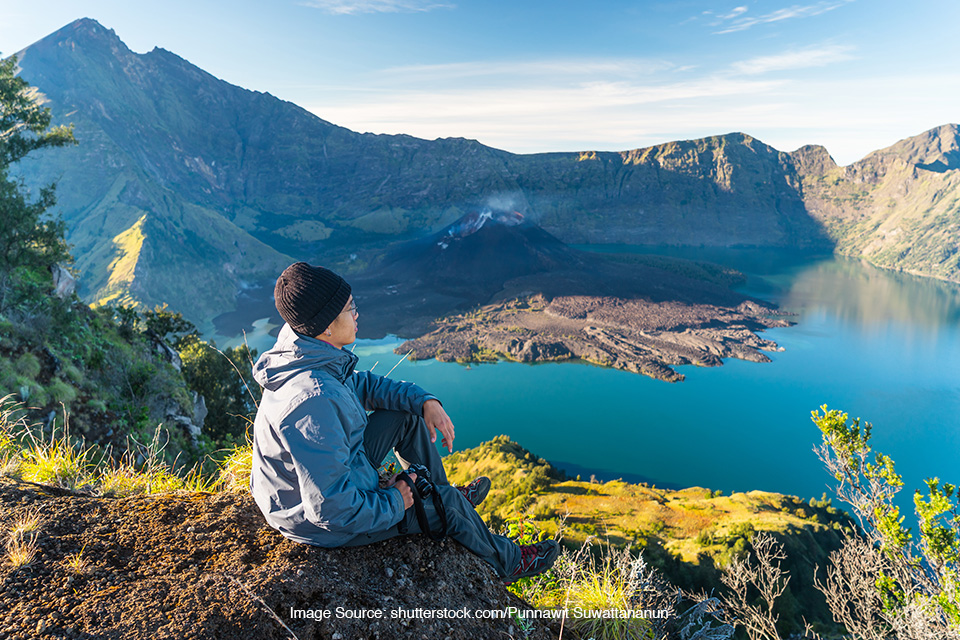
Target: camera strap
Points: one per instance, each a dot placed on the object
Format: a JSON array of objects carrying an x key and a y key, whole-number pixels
[{"x": 422, "y": 513}]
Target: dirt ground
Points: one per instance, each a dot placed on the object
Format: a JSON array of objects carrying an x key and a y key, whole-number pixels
[{"x": 207, "y": 566}]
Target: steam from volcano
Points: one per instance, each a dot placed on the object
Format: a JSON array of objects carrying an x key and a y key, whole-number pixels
[
  {"x": 473, "y": 222},
  {"x": 502, "y": 208}
]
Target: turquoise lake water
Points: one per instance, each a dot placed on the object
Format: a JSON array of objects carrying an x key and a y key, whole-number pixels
[{"x": 876, "y": 344}]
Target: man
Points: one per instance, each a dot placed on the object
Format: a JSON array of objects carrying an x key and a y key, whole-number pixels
[{"x": 316, "y": 452}]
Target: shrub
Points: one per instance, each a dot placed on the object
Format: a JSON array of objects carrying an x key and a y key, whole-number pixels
[
  {"x": 28, "y": 366},
  {"x": 885, "y": 584},
  {"x": 61, "y": 392}
]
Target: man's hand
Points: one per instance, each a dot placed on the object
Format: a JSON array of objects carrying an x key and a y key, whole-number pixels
[
  {"x": 438, "y": 420},
  {"x": 404, "y": 490}
]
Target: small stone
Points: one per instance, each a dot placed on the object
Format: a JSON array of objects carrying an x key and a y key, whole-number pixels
[
  {"x": 301, "y": 572},
  {"x": 389, "y": 572},
  {"x": 337, "y": 636},
  {"x": 190, "y": 529},
  {"x": 41, "y": 627}
]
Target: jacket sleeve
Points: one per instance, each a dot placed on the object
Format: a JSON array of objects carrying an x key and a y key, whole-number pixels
[
  {"x": 321, "y": 456},
  {"x": 379, "y": 392}
]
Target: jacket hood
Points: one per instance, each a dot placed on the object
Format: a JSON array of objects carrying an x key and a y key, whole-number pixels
[{"x": 294, "y": 353}]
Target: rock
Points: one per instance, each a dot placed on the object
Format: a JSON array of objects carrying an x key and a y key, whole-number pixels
[
  {"x": 64, "y": 284},
  {"x": 199, "y": 409}
]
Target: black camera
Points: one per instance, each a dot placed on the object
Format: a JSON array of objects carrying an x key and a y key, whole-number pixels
[
  {"x": 424, "y": 489},
  {"x": 422, "y": 483}
]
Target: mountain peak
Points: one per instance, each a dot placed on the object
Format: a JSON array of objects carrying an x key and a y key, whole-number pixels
[
  {"x": 936, "y": 149},
  {"x": 85, "y": 33}
]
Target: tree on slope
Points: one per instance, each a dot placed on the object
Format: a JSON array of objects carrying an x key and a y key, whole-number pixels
[{"x": 28, "y": 239}]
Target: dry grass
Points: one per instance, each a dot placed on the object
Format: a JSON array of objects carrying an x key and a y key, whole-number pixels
[
  {"x": 235, "y": 470},
  {"x": 63, "y": 461},
  {"x": 607, "y": 578},
  {"x": 22, "y": 539},
  {"x": 76, "y": 562}
]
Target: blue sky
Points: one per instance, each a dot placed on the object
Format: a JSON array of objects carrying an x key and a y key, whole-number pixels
[{"x": 530, "y": 76}]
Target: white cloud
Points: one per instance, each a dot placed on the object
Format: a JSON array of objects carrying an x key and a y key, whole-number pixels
[
  {"x": 801, "y": 59},
  {"x": 529, "y": 118},
  {"x": 737, "y": 21},
  {"x": 736, "y": 11},
  {"x": 553, "y": 113},
  {"x": 346, "y": 7},
  {"x": 555, "y": 69}
]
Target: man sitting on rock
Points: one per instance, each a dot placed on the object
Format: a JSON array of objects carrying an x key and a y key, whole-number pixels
[{"x": 316, "y": 451}]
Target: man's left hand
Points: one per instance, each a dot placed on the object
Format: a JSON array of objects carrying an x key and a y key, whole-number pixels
[{"x": 438, "y": 420}]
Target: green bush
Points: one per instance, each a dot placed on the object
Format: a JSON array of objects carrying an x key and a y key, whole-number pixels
[
  {"x": 28, "y": 365},
  {"x": 8, "y": 377},
  {"x": 73, "y": 374},
  {"x": 61, "y": 392}
]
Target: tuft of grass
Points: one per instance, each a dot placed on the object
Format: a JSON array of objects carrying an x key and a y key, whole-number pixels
[
  {"x": 57, "y": 461},
  {"x": 597, "y": 579},
  {"x": 142, "y": 470},
  {"x": 22, "y": 539},
  {"x": 8, "y": 374},
  {"x": 73, "y": 374},
  {"x": 61, "y": 392},
  {"x": 609, "y": 583},
  {"x": 235, "y": 470},
  {"x": 122, "y": 481},
  {"x": 28, "y": 366},
  {"x": 76, "y": 563}
]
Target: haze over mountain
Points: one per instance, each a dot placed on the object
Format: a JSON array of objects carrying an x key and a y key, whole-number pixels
[{"x": 185, "y": 189}]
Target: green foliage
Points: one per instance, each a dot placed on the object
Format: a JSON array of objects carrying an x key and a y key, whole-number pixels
[
  {"x": 28, "y": 365},
  {"x": 60, "y": 392},
  {"x": 939, "y": 522},
  {"x": 215, "y": 374},
  {"x": 924, "y": 575},
  {"x": 28, "y": 242},
  {"x": 875, "y": 482}
]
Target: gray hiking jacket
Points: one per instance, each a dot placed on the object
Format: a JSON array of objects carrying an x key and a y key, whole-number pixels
[{"x": 310, "y": 476}]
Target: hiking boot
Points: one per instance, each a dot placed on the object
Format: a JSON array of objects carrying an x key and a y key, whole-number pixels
[
  {"x": 476, "y": 491},
  {"x": 534, "y": 560}
]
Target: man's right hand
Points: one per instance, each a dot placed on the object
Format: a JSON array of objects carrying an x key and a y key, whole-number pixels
[{"x": 404, "y": 490}]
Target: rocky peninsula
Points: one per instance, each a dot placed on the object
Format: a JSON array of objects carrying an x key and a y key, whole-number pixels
[{"x": 633, "y": 335}]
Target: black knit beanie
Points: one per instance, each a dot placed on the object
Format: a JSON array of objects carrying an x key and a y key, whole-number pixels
[{"x": 310, "y": 298}]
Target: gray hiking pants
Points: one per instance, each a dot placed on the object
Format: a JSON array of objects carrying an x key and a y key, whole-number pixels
[{"x": 408, "y": 435}]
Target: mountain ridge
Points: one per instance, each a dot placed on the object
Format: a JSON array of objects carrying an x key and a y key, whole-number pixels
[{"x": 159, "y": 136}]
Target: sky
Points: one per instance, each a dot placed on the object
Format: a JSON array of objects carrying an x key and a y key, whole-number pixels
[{"x": 532, "y": 76}]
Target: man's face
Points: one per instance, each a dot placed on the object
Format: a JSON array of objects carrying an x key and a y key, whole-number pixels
[{"x": 343, "y": 330}]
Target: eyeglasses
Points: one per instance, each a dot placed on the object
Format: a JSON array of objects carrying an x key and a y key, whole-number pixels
[{"x": 353, "y": 308}]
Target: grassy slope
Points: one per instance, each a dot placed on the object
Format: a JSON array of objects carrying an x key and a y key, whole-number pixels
[{"x": 688, "y": 534}]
